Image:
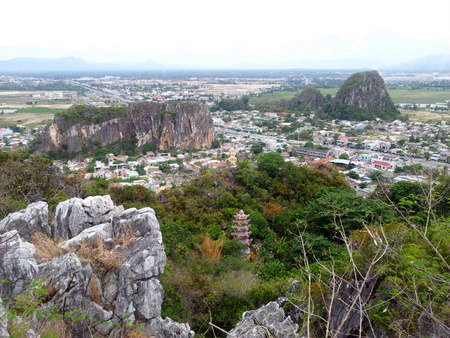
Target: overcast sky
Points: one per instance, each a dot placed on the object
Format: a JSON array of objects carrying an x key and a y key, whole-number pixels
[{"x": 223, "y": 33}]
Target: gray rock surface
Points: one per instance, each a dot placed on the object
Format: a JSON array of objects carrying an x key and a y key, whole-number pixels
[
  {"x": 89, "y": 236},
  {"x": 17, "y": 265},
  {"x": 108, "y": 297},
  {"x": 28, "y": 221},
  {"x": 162, "y": 328},
  {"x": 346, "y": 320},
  {"x": 181, "y": 125},
  {"x": 269, "y": 320},
  {"x": 75, "y": 215}
]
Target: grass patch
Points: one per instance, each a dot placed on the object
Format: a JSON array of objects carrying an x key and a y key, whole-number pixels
[
  {"x": 424, "y": 96},
  {"x": 286, "y": 95},
  {"x": 38, "y": 110},
  {"x": 426, "y": 116},
  {"x": 46, "y": 247},
  {"x": 102, "y": 260}
]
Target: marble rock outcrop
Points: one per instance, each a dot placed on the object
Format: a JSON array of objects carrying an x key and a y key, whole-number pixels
[
  {"x": 268, "y": 321},
  {"x": 112, "y": 294},
  {"x": 33, "y": 218},
  {"x": 181, "y": 125}
]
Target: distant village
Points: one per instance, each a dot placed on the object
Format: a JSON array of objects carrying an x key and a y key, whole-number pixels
[
  {"x": 357, "y": 149},
  {"x": 334, "y": 145}
]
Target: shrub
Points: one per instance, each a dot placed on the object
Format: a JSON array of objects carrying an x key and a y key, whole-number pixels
[{"x": 211, "y": 249}]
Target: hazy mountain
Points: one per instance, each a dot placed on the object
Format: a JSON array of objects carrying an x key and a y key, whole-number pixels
[
  {"x": 40, "y": 64},
  {"x": 439, "y": 62},
  {"x": 432, "y": 63},
  {"x": 74, "y": 64},
  {"x": 340, "y": 64}
]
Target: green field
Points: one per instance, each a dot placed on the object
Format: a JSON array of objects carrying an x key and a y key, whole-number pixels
[
  {"x": 37, "y": 110},
  {"x": 425, "y": 96},
  {"x": 275, "y": 96}
]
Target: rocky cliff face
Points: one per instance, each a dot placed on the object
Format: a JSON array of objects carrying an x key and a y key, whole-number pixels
[
  {"x": 181, "y": 125},
  {"x": 363, "y": 96},
  {"x": 104, "y": 270}
]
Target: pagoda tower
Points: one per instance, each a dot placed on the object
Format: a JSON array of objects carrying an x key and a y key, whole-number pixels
[{"x": 241, "y": 230}]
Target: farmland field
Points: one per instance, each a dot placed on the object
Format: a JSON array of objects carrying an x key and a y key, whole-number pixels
[
  {"x": 424, "y": 96},
  {"x": 426, "y": 116},
  {"x": 28, "y": 117}
]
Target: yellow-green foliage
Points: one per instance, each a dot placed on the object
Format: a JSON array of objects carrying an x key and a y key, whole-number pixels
[{"x": 211, "y": 249}]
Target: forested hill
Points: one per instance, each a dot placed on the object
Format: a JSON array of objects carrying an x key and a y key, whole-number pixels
[{"x": 363, "y": 97}]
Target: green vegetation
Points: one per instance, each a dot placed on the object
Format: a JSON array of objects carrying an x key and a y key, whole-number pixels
[
  {"x": 362, "y": 97},
  {"x": 37, "y": 110},
  {"x": 426, "y": 95},
  {"x": 25, "y": 178},
  {"x": 87, "y": 114},
  {"x": 306, "y": 224},
  {"x": 233, "y": 104}
]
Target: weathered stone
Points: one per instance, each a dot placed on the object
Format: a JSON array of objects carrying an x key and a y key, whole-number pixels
[
  {"x": 75, "y": 215},
  {"x": 89, "y": 236},
  {"x": 28, "y": 221},
  {"x": 68, "y": 277},
  {"x": 146, "y": 258},
  {"x": 148, "y": 299},
  {"x": 140, "y": 222},
  {"x": 181, "y": 125},
  {"x": 428, "y": 326},
  {"x": 270, "y": 319},
  {"x": 17, "y": 265},
  {"x": 108, "y": 301},
  {"x": 166, "y": 327},
  {"x": 95, "y": 313},
  {"x": 347, "y": 317}
]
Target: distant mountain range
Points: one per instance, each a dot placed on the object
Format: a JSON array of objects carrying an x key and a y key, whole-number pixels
[
  {"x": 73, "y": 64},
  {"x": 433, "y": 63}
]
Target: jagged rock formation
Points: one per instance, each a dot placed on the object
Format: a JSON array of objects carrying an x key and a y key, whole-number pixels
[
  {"x": 33, "y": 218},
  {"x": 180, "y": 125},
  {"x": 268, "y": 321},
  {"x": 363, "y": 97},
  {"x": 106, "y": 269}
]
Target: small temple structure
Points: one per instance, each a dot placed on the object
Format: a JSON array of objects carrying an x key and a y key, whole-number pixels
[{"x": 241, "y": 230}]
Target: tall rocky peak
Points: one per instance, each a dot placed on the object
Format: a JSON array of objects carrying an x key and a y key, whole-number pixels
[
  {"x": 180, "y": 125},
  {"x": 104, "y": 270},
  {"x": 363, "y": 97}
]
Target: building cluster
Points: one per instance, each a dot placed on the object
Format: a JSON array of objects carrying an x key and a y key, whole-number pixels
[{"x": 15, "y": 140}]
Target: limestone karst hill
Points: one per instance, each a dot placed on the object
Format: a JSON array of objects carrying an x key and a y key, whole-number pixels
[
  {"x": 363, "y": 97},
  {"x": 180, "y": 125}
]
